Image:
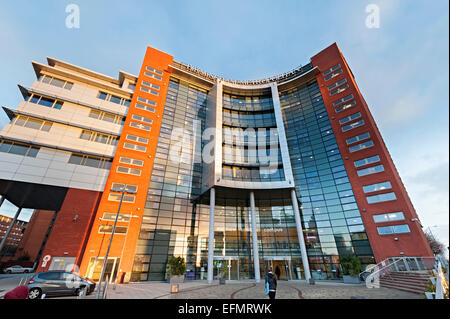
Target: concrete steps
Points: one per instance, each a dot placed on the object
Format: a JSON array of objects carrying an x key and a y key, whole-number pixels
[{"x": 414, "y": 282}]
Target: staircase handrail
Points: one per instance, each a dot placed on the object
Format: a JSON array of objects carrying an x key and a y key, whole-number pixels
[{"x": 388, "y": 263}]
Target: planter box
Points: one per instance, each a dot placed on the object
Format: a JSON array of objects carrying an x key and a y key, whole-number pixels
[
  {"x": 176, "y": 279},
  {"x": 351, "y": 280}
]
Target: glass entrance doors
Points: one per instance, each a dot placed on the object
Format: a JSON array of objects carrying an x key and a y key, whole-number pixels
[
  {"x": 281, "y": 266},
  {"x": 226, "y": 267},
  {"x": 95, "y": 266}
]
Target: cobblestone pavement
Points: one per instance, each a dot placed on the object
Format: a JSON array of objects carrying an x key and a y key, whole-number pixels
[{"x": 251, "y": 290}]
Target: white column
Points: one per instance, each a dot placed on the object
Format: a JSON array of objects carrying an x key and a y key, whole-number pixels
[
  {"x": 301, "y": 240},
  {"x": 212, "y": 202},
  {"x": 254, "y": 237}
]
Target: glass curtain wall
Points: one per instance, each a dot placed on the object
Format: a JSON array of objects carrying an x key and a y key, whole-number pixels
[
  {"x": 170, "y": 223},
  {"x": 330, "y": 216}
]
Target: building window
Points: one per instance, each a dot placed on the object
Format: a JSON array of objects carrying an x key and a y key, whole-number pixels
[
  {"x": 113, "y": 98},
  {"x": 333, "y": 75},
  {"x": 128, "y": 170},
  {"x": 344, "y": 99},
  {"x": 56, "y": 82},
  {"x": 336, "y": 84},
  {"x": 91, "y": 161},
  {"x": 132, "y": 86},
  {"x": 339, "y": 90},
  {"x": 366, "y": 161},
  {"x": 107, "y": 229},
  {"x": 115, "y": 197},
  {"x": 33, "y": 123},
  {"x": 44, "y": 101},
  {"x": 140, "y": 126},
  {"x": 120, "y": 218},
  {"x": 154, "y": 76},
  {"x": 352, "y": 125},
  {"x": 389, "y": 217},
  {"x": 359, "y": 147},
  {"x": 350, "y": 118},
  {"x": 147, "y": 90},
  {"x": 326, "y": 72},
  {"x": 396, "y": 229},
  {"x": 108, "y": 117},
  {"x": 128, "y": 188},
  {"x": 370, "y": 170},
  {"x": 135, "y": 147},
  {"x": 142, "y": 119},
  {"x": 345, "y": 106},
  {"x": 145, "y": 107},
  {"x": 151, "y": 85},
  {"x": 147, "y": 101},
  {"x": 357, "y": 138},
  {"x": 98, "y": 137},
  {"x": 131, "y": 161},
  {"x": 137, "y": 139},
  {"x": 154, "y": 70},
  {"x": 18, "y": 148},
  {"x": 377, "y": 187},
  {"x": 381, "y": 198}
]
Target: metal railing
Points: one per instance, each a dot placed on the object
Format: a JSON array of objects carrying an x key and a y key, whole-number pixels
[{"x": 396, "y": 264}]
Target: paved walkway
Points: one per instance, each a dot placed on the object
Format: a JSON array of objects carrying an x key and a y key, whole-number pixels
[{"x": 251, "y": 290}]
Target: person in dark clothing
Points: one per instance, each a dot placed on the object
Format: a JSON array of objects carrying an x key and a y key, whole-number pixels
[
  {"x": 278, "y": 272},
  {"x": 272, "y": 280}
]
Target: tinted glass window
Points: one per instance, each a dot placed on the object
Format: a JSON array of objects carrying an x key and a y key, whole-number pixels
[{"x": 53, "y": 275}]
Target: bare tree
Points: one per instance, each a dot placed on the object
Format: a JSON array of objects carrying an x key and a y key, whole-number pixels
[{"x": 437, "y": 247}]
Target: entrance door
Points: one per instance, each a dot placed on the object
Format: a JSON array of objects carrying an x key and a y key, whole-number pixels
[
  {"x": 226, "y": 267},
  {"x": 281, "y": 266},
  {"x": 95, "y": 266}
]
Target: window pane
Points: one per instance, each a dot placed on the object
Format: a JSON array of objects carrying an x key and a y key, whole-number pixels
[
  {"x": 33, "y": 151},
  {"x": 18, "y": 149},
  {"x": 57, "y": 83},
  {"x": 46, "y": 102},
  {"x": 33, "y": 123}
]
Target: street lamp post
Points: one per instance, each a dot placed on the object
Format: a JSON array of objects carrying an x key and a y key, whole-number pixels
[{"x": 123, "y": 190}]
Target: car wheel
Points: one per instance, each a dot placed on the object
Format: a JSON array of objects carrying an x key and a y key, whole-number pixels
[
  {"x": 35, "y": 293},
  {"x": 8, "y": 271},
  {"x": 25, "y": 271}
]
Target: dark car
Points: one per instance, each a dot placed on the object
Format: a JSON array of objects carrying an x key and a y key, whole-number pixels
[{"x": 52, "y": 283}]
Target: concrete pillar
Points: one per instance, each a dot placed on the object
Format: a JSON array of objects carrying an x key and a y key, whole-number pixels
[
  {"x": 254, "y": 237},
  {"x": 212, "y": 203},
  {"x": 301, "y": 239},
  {"x": 2, "y": 244}
]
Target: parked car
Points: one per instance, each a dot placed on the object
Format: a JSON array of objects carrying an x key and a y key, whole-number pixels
[
  {"x": 17, "y": 270},
  {"x": 56, "y": 282}
]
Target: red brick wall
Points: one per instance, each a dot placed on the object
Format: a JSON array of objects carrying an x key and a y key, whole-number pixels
[
  {"x": 411, "y": 244},
  {"x": 68, "y": 236}
]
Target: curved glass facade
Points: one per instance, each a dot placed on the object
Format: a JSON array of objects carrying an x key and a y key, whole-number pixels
[{"x": 330, "y": 216}]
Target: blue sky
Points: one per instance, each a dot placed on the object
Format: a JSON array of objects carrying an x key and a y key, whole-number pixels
[{"x": 401, "y": 67}]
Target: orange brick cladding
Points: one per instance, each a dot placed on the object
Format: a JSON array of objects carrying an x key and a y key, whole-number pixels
[{"x": 124, "y": 245}]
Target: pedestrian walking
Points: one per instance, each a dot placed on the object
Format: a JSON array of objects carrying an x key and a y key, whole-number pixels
[
  {"x": 278, "y": 272},
  {"x": 271, "y": 282}
]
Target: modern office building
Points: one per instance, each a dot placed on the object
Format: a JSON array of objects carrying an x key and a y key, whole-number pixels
[{"x": 233, "y": 176}]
